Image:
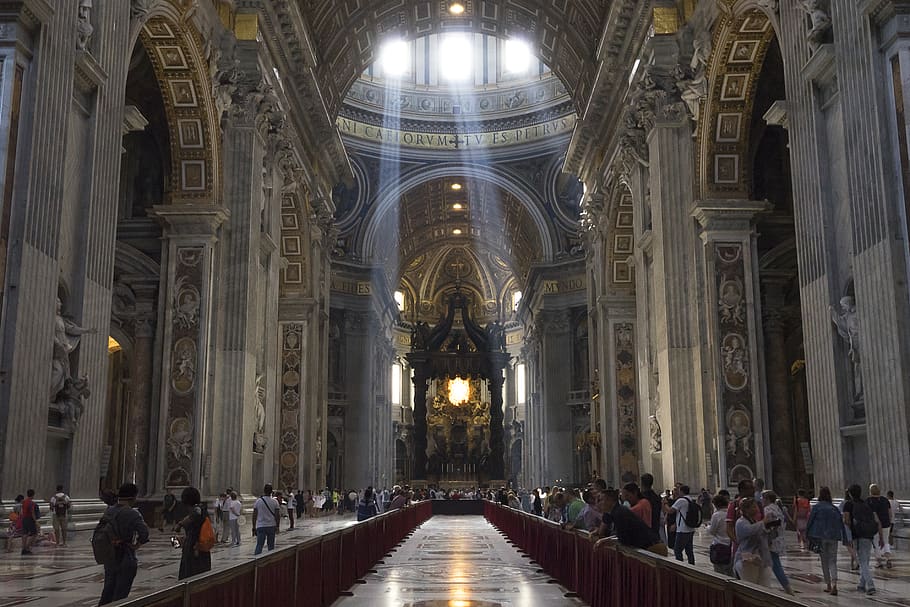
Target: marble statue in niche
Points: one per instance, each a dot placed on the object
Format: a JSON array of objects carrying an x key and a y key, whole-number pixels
[
  {"x": 847, "y": 323},
  {"x": 84, "y": 28},
  {"x": 67, "y": 335},
  {"x": 259, "y": 439},
  {"x": 820, "y": 23}
]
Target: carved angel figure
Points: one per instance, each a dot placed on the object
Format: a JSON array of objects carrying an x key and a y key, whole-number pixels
[{"x": 73, "y": 396}]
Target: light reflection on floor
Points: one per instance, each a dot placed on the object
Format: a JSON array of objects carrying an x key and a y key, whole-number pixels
[{"x": 456, "y": 562}]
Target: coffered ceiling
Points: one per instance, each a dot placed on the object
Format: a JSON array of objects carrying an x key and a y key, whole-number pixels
[
  {"x": 347, "y": 33},
  {"x": 480, "y": 216}
]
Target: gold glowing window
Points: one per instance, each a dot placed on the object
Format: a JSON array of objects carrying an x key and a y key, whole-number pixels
[
  {"x": 459, "y": 391},
  {"x": 112, "y": 345}
]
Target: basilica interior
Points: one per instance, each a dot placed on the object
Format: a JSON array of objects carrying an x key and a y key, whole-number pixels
[{"x": 340, "y": 244}]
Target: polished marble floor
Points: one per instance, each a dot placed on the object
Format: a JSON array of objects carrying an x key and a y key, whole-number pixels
[
  {"x": 456, "y": 561},
  {"x": 460, "y": 561},
  {"x": 68, "y": 576}
]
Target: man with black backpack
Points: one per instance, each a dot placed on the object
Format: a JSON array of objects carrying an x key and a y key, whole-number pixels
[
  {"x": 60, "y": 506},
  {"x": 688, "y": 519},
  {"x": 114, "y": 542},
  {"x": 864, "y": 525}
]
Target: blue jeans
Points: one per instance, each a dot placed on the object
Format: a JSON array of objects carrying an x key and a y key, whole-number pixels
[
  {"x": 863, "y": 552},
  {"x": 684, "y": 542},
  {"x": 778, "y": 570},
  {"x": 263, "y": 534},
  {"x": 118, "y": 579}
]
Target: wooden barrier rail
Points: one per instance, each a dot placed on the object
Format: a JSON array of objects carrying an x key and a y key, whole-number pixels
[
  {"x": 616, "y": 575},
  {"x": 308, "y": 574}
]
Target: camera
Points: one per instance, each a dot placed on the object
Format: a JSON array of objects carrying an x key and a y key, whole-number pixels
[{"x": 175, "y": 542}]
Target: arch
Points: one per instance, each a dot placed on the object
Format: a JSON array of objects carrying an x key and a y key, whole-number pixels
[
  {"x": 174, "y": 49},
  {"x": 418, "y": 176},
  {"x": 130, "y": 260},
  {"x": 564, "y": 35},
  {"x": 741, "y": 41}
]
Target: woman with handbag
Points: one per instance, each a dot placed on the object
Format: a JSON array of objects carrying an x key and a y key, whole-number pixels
[
  {"x": 825, "y": 530},
  {"x": 720, "y": 551},
  {"x": 752, "y": 561}
]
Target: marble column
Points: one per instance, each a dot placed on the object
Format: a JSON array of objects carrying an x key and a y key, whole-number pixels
[
  {"x": 730, "y": 279},
  {"x": 238, "y": 338},
  {"x": 421, "y": 386},
  {"x": 497, "y": 445},
  {"x": 190, "y": 234},
  {"x": 784, "y": 456},
  {"x": 873, "y": 78},
  {"x": 136, "y": 465},
  {"x": 677, "y": 354},
  {"x": 555, "y": 350}
]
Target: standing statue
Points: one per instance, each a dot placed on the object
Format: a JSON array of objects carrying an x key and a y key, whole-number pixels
[
  {"x": 692, "y": 81},
  {"x": 66, "y": 339},
  {"x": 821, "y": 23},
  {"x": 84, "y": 28},
  {"x": 848, "y": 326},
  {"x": 259, "y": 440}
]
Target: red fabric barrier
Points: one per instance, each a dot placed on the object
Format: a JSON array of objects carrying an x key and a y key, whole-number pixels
[
  {"x": 348, "y": 559},
  {"x": 309, "y": 575},
  {"x": 362, "y": 551},
  {"x": 234, "y": 589},
  {"x": 331, "y": 551},
  {"x": 675, "y": 583},
  {"x": 276, "y": 579}
]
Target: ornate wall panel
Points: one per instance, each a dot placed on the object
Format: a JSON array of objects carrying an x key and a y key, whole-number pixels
[
  {"x": 627, "y": 401},
  {"x": 291, "y": 386},
  {"x": 736, "y": 402},
  {"x": 183, "y": 386}
]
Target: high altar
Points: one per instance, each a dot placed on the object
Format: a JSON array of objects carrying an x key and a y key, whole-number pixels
[{"x": 458, "y": 403}]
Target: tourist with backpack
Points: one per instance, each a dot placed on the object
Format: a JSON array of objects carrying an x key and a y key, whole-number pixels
[
  {"x": 114, "y": 542},
  {"x": 199, "y": 535},
  {"x": 60, "y": 506},
  {"x": 864, "y": 525},
  {"x": 688, "y": 519}
]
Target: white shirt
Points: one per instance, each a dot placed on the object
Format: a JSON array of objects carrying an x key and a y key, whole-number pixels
[
  {"x": 682, "y": 508},
  {"x": 234, "y": 509},
  {"x": 718, "y": 528},
  {"x": 266, "y": 509}
]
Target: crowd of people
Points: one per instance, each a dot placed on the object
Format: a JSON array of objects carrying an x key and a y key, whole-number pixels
[
  {"x": 747, "y": 532},
  {"x": 195, "y": 525}
]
